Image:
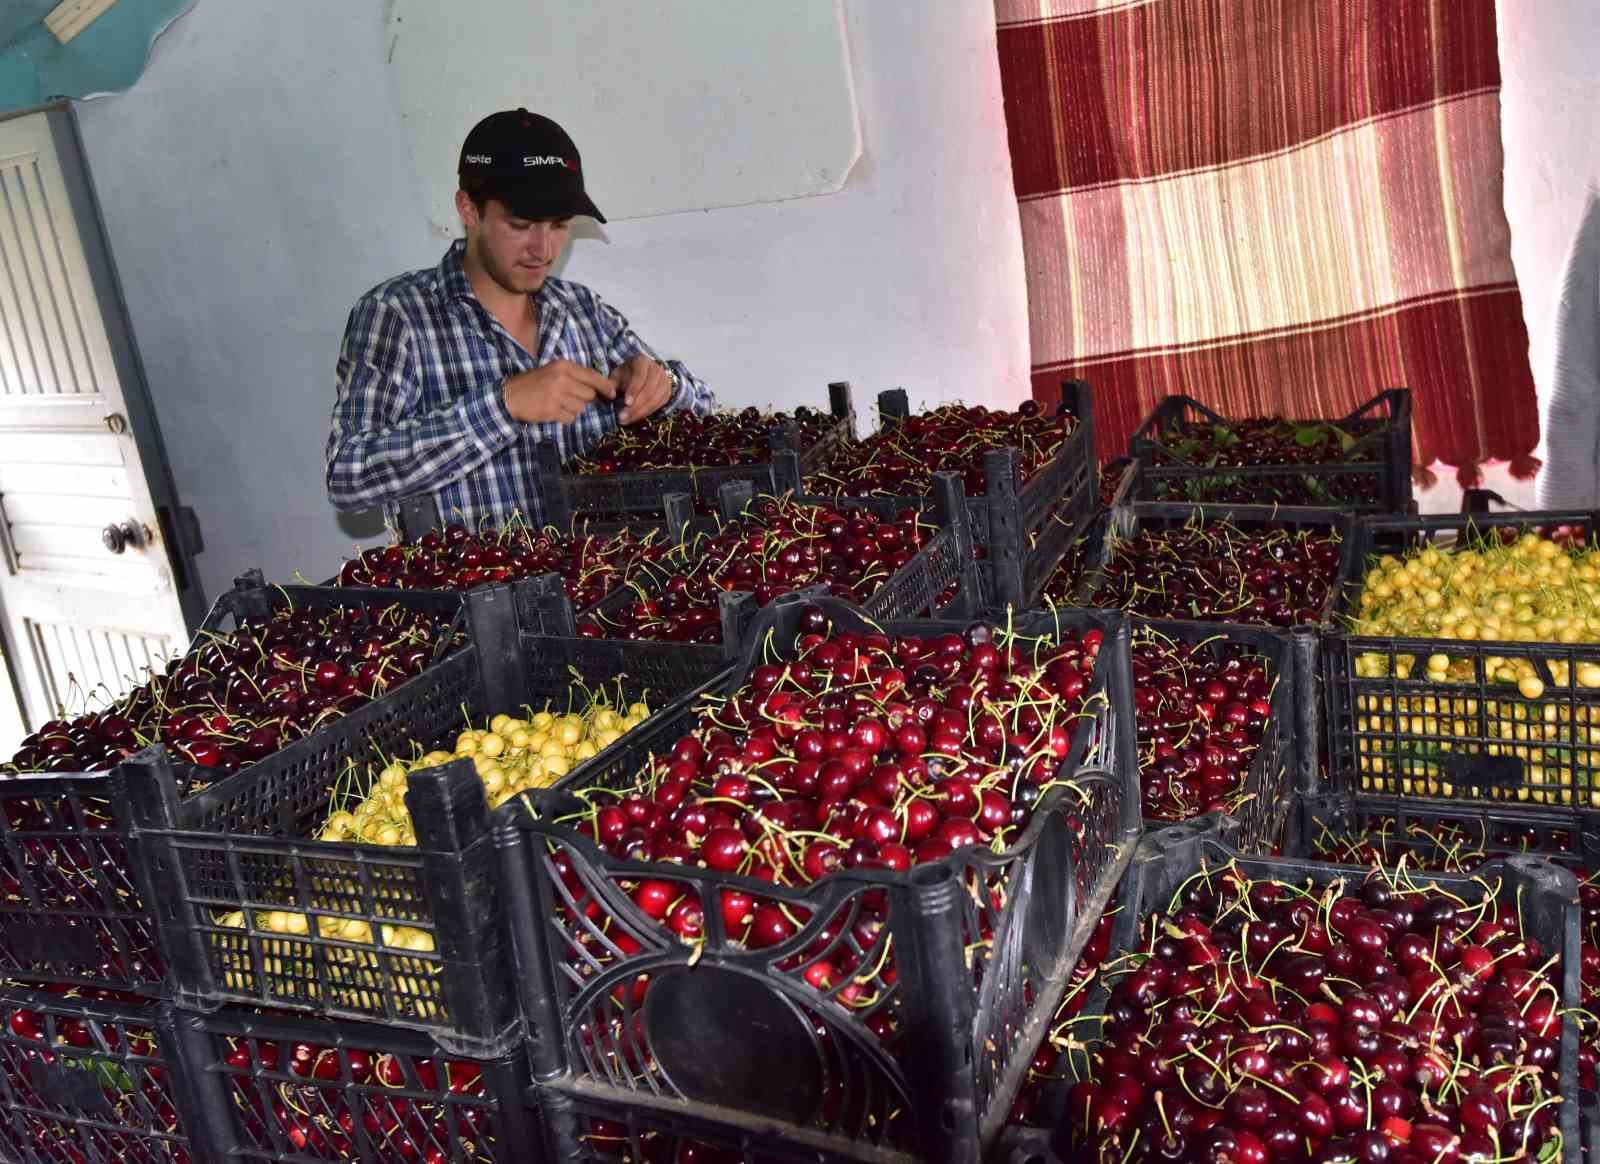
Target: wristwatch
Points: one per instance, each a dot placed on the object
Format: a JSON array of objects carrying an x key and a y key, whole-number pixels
[{"x": 671, "y": 375}]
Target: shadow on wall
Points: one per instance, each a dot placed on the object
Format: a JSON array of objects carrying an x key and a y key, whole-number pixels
[
  {"x": 107, "y": 56},
  {"x": 362, "y": 523}
]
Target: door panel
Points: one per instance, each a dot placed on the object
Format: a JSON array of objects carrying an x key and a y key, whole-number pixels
[
  {"x": 38, "y": 280},
  {"x": 86, "y": 665},
  {"x": 80, "y": 480},
  {"x": 83, "y": 623}
]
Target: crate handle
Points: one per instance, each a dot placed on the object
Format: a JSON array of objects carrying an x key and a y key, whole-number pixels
[
  {"x": 451, "y": 813},
  {"x": 147, "y": 784},
  {"x": 786, "y": 471},
  {"x": 893, "y": 406},
  {"x": 734, "y": 497},
  {"x": 547, "y": 467},
  {"x": 418, "y": 515},
  {"x": 840, "y": 405},
  {"x": 492, "y": 618}
]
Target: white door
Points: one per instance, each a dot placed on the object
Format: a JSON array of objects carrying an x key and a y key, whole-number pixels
[{"x": 86, "y": 586}]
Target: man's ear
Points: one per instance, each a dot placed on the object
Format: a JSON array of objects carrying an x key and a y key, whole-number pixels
[{"x": 468, "y": 210}]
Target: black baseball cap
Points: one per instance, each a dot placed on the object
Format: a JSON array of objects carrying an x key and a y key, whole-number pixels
[{"x": 530, "y": 163}]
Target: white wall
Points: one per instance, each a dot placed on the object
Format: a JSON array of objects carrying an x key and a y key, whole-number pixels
[
  {"x": 256, "y": 181},
  {"x": 1550, "y": 111}
]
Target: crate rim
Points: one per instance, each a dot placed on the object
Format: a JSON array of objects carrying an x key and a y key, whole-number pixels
[
  {"x": 1122, "y": 828},
  {"x": 1396, "y": 400},
  {"x": 1209, "y": 840},
  {"x": 1120, "y": 518},
  {"x": 842, "y": 424},
  {"x": 1392, "y": 466},
  {"x": 1075, "y": 401}
]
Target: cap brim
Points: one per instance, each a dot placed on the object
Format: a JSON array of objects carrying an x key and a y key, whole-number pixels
[{"x": 550, "y": 204}]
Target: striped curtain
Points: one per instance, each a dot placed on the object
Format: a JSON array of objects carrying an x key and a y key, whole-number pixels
[{"x": 1273, "y": 206}]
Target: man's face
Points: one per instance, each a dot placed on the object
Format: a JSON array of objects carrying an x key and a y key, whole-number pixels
[{"x": 517, "y": 253}]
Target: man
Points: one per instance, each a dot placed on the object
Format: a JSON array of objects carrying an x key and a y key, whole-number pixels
[{"x": 448, "y": 377}]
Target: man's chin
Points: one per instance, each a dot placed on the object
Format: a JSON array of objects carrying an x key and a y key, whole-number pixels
[{"x": 521, "y": 282}]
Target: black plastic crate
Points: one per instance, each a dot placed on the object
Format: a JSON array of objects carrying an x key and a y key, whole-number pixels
[
  {"x": 816, "y": 1075},
  {"x": 289, "y": 1089},
  {"x": 1545, "y": 894},
  {"x": 1070, "y": 543},
  {"x": 93, "y": 1081},
  {"x": 418, "y": 518},
  {"x": 1440, "y": 835},
  {"x": 253, "y": 597},
  {"x": 1013, "y": 521},
  {"x": 1127, "y": 521},
  {"x": 1374, "y": 475},
  {"x": 72, "y": 910},
  {"x": 626, "y": 495},
  {"x": 944, "y": 561},
  {"x": 253, "y": 909},
  {"x": 1393, "y": 731},
  {"x": 1118, "y": 485},
  {"x": 1285, "y": 759}
]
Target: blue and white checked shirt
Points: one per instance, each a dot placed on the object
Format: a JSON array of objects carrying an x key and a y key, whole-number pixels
[{"x": 421, "y": 405}]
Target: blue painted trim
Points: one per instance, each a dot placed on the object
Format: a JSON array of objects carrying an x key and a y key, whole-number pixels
[{"x": 107, "y": 57}]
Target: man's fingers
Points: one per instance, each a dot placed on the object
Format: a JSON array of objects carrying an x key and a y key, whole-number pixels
[
  {"x": 590, "y": 379},
  {"x": 653, "y": 391},
  {"x": 638, "y": 399}
]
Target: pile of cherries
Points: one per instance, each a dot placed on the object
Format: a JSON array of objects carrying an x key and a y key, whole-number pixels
[
  {"x": 678, "y": 440},
  {"x": 1213, "y": 571},
  {"x": 236, "y": 698},
  {"x": 232, "y": 700},
  {"x": 902, "y": 457},
  {"x": 1270, "y": 441},
  {"x": 885, "y": 752},
  {"x": 328, "y": 1103},
  {"x": 1456, "y": 847},
  {"x": 1201, "y": 710},
  {"x": 1444, "y": 845},
  {"x": 591, "y": 565},
  {"x": 122, "y": 1057},
  {"x": 778, "y": 547},
  {"x": 847, "y": 751},
  {"x": 1265, "y": 1021}
]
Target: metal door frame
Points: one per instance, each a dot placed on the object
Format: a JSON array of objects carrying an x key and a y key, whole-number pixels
[{"x": 180, "y": 532}]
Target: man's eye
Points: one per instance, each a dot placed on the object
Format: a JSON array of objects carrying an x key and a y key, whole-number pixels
[{"x": 518, "y": 223}]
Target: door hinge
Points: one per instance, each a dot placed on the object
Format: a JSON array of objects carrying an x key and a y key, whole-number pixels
[{"x": 181, "y": 531}]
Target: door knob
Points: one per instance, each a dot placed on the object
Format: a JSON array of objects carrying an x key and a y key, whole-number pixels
[{"x": 117, "y": 538}]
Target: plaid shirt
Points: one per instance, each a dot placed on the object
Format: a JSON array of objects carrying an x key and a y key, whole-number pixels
[{"x": 421, "y": 405}]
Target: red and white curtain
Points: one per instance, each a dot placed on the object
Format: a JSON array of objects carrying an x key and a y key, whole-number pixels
[{"x": 1273, "y": 206}]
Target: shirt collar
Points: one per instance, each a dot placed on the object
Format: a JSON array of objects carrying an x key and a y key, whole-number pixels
[
  {"x": 455, "y": 287},
  {"x": 453, "y": 281}
]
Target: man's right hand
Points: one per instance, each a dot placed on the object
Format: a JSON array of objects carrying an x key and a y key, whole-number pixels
[{"x": 555, "y": 392}]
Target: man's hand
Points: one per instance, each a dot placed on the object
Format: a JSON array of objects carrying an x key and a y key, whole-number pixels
[
  {"x": 556, "y": 392},
  {"x": 645, "y": 388}
]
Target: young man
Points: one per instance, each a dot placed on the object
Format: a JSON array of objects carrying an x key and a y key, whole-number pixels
[{"x": 449, "y": 376}]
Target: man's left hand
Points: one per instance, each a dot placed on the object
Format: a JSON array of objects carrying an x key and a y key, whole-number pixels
[{"x": 643, "y": 389}]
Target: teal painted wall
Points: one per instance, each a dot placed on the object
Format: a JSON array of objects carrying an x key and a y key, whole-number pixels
[{"x": 107, "y": 57}]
